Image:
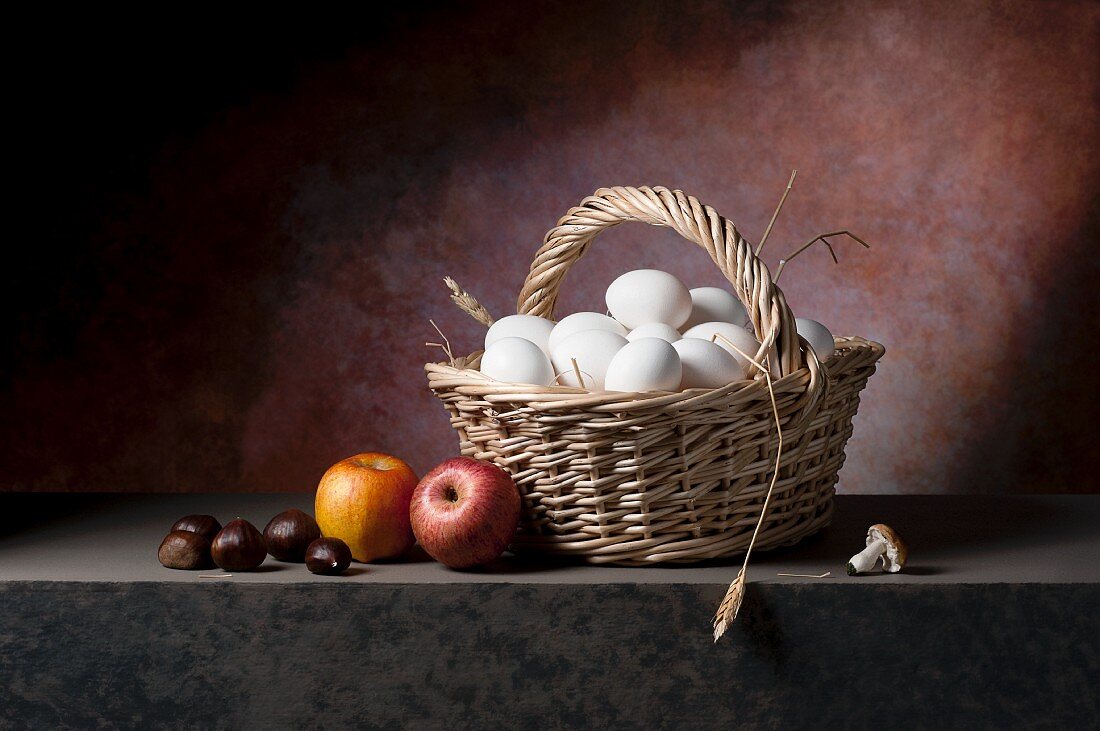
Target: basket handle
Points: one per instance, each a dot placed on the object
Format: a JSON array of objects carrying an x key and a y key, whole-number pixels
[{"x": 752, "y": 282}]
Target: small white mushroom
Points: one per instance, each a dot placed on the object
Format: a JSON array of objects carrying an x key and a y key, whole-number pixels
[{"x": 884, "y": 543}]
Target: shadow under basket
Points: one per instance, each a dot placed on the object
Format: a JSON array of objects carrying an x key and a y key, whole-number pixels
[{"x": 648, "y": 478}]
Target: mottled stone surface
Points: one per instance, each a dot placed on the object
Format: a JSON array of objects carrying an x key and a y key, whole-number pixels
[
  {"x": 521, "y": 656},
  {"x": 238, "y": 237}
]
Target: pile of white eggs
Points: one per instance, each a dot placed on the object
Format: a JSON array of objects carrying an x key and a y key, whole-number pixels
[{"x": 660, "y": 336}]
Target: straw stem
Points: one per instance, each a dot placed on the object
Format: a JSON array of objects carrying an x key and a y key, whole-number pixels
[
  {"x": 782, "y": 200},
  {"x": 445, "y": 345},
  {"x": 577, "y": 372}
]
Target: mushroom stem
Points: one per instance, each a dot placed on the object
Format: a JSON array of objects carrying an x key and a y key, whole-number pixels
[{"x": 866, "y": 559}]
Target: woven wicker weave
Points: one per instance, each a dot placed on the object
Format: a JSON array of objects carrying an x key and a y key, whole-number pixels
[{"x": 645, "y": 478}]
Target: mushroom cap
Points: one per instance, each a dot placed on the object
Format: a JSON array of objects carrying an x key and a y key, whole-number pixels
[{"x": 897, "y": 552}]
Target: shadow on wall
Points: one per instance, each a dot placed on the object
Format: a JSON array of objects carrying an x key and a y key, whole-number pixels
[{"x": 1039, "y": 429}]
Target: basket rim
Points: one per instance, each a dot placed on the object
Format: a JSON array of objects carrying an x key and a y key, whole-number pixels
[{"x": 851, "y": 352}]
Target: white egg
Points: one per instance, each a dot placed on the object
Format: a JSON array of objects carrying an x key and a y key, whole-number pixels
[
  {"x": 706, "y": 365},
  {"x": 648, "y": 295},
  {"x": 593, "y": 351},
  {"x": 818, "y": 336},
  {"x": 647, "y": 364},
  {"x": 737, "y": 335},
  {"x": 580, "y": 321},
  {"x": 515, "y": 360},
  {"x": 712, "y": 304},
  {"x": 654, "y": 330},
  {"x": 528, "y": 327}
]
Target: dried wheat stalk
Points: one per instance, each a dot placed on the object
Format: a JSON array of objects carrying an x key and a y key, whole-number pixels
[{"x": 731, "y": 603}]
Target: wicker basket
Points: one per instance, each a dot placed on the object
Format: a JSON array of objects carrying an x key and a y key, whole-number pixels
[{"x": 647, "y": 478}]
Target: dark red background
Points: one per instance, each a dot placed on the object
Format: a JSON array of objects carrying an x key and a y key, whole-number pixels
[{"x": 233, "y": 233}]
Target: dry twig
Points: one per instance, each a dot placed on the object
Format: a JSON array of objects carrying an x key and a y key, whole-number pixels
[{"x": 823, "y": 238}]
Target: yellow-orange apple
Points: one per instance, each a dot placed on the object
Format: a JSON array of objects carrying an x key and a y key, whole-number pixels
[{"x": 364, "y": 501}]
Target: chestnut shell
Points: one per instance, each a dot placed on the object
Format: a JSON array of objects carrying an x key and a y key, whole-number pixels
[
  {"x": 328, "y": 556},
  {"x": 238, "y": 546},
  {"x": 184, "y": 549},
  {"x": 206, "y": 526},
  {"x": 289, "y": 533}
]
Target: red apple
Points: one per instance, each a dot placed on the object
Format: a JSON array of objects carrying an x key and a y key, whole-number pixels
[{"x": 465, "y": 512}]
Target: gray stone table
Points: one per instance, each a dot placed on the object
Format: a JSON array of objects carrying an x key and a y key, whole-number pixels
[{"x": 995, "y": 624}]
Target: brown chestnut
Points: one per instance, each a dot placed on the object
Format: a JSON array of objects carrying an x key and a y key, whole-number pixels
[
  {"x": 206, "y": 526},
  {"x": 238, "y": 546},
  {"x": 289, "y": 534},
  {"x": 182, "y": 549},
  {"x": 328, "y": 556}
]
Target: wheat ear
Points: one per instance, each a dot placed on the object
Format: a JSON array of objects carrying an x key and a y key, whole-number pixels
[
  {"x": 467, "y": 303},
  {"x": 731, "y": 604}
]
